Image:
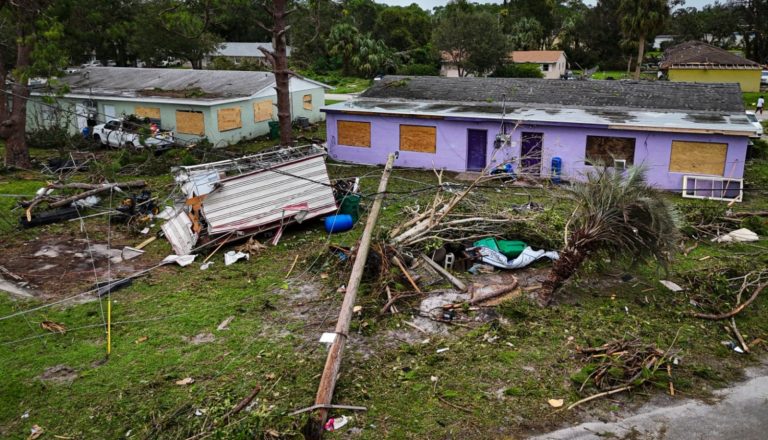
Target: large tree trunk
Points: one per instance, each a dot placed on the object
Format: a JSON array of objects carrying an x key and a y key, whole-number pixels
[
  {"x": 14, "y": 122},
  {"x": 282, "y": 74},
  {"x": 640, "y": 54},
  {"x": 562, "y": 269}
]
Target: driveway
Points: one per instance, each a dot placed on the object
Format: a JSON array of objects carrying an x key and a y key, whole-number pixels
[{"x": 738, "y": 412}]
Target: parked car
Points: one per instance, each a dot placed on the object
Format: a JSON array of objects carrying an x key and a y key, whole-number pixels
[
  {"x": 764, "y": 78},
  {"x": 756, "y": 123},
  {"x": 121, "y": 134},
  {"x": 92, "y": 63}
]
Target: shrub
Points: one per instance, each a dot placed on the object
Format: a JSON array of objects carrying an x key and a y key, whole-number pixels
[
  {"x": 526, "y": 70},
  {"x": 56, "y": 138}
]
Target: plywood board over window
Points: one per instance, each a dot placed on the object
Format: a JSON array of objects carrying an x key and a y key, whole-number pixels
[
  {"x": 190, "y": 122},
  {"x": 229, "y": 119},
  {"x": 419, "y": 138},
  {"x": 354, "y": 134},
  {"x": 147, "y": 112},
  {"x": 698, "y": 157},
  {"x": 604, "y": 150},
  {"x": 307, "y": 102},
  {"x": 262, "y": 110}
]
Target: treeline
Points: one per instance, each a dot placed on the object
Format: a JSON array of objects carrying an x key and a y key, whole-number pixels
[{"x": 365, "y": 38}]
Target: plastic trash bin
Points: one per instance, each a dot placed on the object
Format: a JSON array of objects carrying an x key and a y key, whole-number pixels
[{"x": 274, "y": 129}]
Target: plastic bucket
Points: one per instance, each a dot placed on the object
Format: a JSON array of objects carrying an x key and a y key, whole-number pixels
[
  {"x": 350, "y": 204},
  {"x": 338, "y": 223}
]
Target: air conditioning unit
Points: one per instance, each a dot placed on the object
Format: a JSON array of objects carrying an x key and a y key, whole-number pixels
[{"x": 620, "y": 164}]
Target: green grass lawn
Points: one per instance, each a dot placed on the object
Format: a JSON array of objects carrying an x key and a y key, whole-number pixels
[{"x": 493, "y": 382}]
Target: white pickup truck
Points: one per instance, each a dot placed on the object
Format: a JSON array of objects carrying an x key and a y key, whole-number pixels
[{"x": 120, "y": 134}]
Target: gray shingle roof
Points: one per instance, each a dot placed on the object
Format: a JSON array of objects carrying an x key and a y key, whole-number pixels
[
  {"x": 547, "y": 93},
  {"x": 693, "y": 53},
  {"x": 134, "y": 82}
]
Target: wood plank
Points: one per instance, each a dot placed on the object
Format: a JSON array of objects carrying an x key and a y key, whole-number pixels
[
  {"x": 354, "y": 134},
  {"x": 307, "y": 102},
  {"x": 263, "y": 110},
  {"x": 419, "y": 138},
  {"x": 229, "y": 118},
  {"x": 147, "y": 112},
  {"x": 698, "y": 157},
  {"x": 190, "y": 122}
]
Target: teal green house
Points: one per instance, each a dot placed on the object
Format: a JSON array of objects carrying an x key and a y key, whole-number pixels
[{"x": 225, "y": 106}]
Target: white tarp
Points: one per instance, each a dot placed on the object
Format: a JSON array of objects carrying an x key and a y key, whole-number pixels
[{"x": 527, "y": 257}]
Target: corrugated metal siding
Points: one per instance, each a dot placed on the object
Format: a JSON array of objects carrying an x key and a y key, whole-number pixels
[
  {"x": 178, "y": 231},
  {"x": 259, "y": 198}
]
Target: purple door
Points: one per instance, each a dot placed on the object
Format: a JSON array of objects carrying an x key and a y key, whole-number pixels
[
  {"x": 530, "y": 153},
  {"x": 477, "y": 145}
]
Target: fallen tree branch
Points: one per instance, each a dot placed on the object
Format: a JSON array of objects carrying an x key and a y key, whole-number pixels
[
  {"x": 94, "y": 189},
  {"x": 395, "y": 299},
  {"x": 243, "y": 403},
  {"x": 735, "y": 311},
  {"x": 598, "y": 395}
]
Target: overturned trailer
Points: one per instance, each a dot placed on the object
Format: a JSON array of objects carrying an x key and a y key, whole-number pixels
[{"x": 250, "y": 194}]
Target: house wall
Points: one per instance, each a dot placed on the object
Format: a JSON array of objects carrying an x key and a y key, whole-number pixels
[
  {"x": 652, "y": 149},
  {"x": 749, "y": 80},
  {"x": 250, "y": 128}
]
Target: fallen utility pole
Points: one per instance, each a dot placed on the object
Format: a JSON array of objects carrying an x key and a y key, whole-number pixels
[{"x": 314, "y": 429}]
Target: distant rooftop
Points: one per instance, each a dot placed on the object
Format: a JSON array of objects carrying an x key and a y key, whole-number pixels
[
  {"x": 190, "y": 84},
  {"x": 535, "y": 56},
  {"x": 543, "y": 93},
  {"x": 235, "y": 49},
  {"x": 700, "y": 54}
]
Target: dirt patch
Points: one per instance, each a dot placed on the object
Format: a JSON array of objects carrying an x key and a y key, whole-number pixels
[
  {"x": 201, "y": 338},
  {"x": 59, "y": 374},
  {"x": 55, "y": 266}
]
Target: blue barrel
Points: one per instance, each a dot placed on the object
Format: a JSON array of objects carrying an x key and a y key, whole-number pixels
[
  {"x": 338, "y": 223},
  {"x": 557, "y": 169}
]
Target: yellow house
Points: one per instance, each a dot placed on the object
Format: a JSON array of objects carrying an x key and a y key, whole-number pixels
[{"x": 696, "y": 61}]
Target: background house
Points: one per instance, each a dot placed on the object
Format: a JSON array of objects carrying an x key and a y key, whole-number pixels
[
  {"x": 549, "y": 127},
  {"x": 239, "y": 53},
  {"x": 552, "y": 62},
  {"x": 696, "y": 61},
  {"x": 223, "y": 105}
]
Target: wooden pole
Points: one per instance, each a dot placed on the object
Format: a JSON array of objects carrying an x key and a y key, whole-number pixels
[{"x": 333, "y": 362}]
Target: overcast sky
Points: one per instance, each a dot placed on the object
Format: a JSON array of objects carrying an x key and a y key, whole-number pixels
[{"x": 429, "y": 4}]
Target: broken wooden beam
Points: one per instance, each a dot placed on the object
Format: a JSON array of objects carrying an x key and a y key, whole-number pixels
[
  {"x": 333, "y": 362},
  {"x": 452, "y": 279}
]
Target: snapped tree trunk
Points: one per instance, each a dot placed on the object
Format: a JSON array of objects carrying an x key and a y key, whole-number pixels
[
  {"x": 640, "y": 54},
  {"x": 562, "y": 269}
]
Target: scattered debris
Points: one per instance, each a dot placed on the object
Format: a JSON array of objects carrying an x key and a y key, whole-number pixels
[
  {"x": 252, "y": 247},
  {"x": 671, "y": 286},
  {"x": 442, "y": 350},
  {"x": 181, "y": 260},
  {"x": 739, "y": 235},
  {"x": 185, "y": 381},
  {"x": 141, "y": 339},
  {"x": 36, "y": 432},
  {"x": 232, "y": 257},
  {"x": 526, "y": 257},
  {"x": 225, "y": 323},
  {"x": 130, "y": 253},
  {"x": 452, "y": 279},
  {"x": 336, "y": 423},
  {"x": 53, "y": 327},
  {"x": 555, "y": 403},
  {"x": 735, "y": 310}
]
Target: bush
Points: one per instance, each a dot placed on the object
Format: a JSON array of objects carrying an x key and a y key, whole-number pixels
[
  {"x": 526, "y": 70},
  {"x": 56, "y": 138},
  {"x": 419, "y": 70}
]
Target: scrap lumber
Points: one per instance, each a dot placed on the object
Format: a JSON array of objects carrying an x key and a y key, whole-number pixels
[
  {"x": 406, "y": 273},
  {"x": 452, "y": 279},
  {"x": 333, "y": 362}
]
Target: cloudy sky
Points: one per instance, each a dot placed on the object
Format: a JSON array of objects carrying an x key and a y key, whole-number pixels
[{"x": 429, "y": 4}]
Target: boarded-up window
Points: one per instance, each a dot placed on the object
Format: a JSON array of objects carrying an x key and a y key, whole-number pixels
[
  {"x": 229, "y": 119},
  {"x": 605, "y": 150},
  {"x": 418, "y": 138},
  {"x": 262, "y": 110},
  {"x": 307, "y": 102},
  {"x": 190, "y": 122},
  {"x": 147, "y": 112},
  {"x": 698, "y": 157},
  {"x": 354, "y": 134}
]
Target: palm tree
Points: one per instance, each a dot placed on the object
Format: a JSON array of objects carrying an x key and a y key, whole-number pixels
[
  {"x": 616, "y": 214},
  {"x": 343, "y": 41},
  {"x": 641, "y": 19}
]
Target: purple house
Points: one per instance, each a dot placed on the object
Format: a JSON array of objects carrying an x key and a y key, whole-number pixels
[{"x": 692, "y": 138}]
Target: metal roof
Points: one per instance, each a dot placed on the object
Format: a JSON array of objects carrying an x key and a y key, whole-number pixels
[
  {"x": 237, "y": 49},
  {"x": 188, "y": 84},
  {"x": 546, "y": 93},
  {"x": 734, "y": 123}
]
